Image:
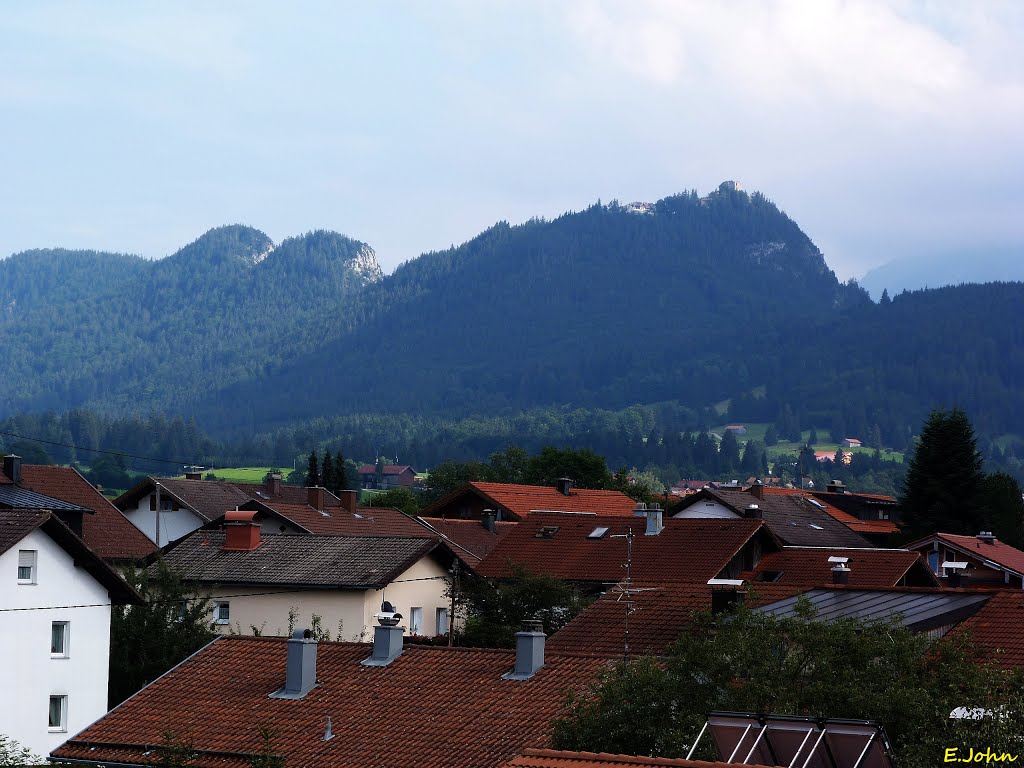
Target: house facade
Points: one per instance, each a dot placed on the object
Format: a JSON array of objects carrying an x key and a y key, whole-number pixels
[
  {"x": 391, "y": 476},
  {"x": 54, "y": 629}
]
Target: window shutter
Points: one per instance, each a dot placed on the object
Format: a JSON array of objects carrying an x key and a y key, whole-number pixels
[{"x": 26, "y": 558}]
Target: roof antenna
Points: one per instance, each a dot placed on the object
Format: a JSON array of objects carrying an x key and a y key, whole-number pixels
[
  {"x": 328, "y": 734},
  {"x": 628, "y": 591}
]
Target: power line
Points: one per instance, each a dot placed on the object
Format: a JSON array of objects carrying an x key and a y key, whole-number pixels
[
  {"x": 211, "y": 597},
  {"x": 92, "y": 450}
]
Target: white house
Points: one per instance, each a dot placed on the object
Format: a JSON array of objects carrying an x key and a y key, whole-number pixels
[{"x": 55, "y": 598}]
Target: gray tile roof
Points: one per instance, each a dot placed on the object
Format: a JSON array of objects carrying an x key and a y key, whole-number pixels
[
  {"x": 13, "y": 497},
  {"x": 353, "y": 562},
  {"x": 918, "y": 610}
]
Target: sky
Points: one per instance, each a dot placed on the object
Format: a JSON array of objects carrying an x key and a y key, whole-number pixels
[{"x": 884, "y": 129}]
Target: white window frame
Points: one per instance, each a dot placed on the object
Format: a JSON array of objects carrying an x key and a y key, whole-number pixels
[
  {"x": 62, "y": 727},
  {"x": 65, "y": 634},
  {"x": 442, "y": 621},
  {"x": 217, "y": 617},
  {"x": 27, "y": 558},
  {"x": 416, "y": 621}
]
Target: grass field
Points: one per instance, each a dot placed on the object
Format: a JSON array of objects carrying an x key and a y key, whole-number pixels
[
  {"x": 757, "y": 432},
  {"x": 242, "y": 474}
]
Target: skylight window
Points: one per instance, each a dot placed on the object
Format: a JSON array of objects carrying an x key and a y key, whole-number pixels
[
  {"x": 598, "y": 533},
  {"x": 816, "y": 527},
  {"x": 547, "y": 532},
  {"x": 816, "y": 503}
]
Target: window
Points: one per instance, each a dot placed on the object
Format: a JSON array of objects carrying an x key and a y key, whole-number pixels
[
  {"x": 415, "y": 621},
  {"x": 58, "y": 713},
  {"x": 441, "y": 615},
  {"x": 26, "y": 566},
  {"x": 59, "y": 635},
  {"x": 222, "y": 613}
]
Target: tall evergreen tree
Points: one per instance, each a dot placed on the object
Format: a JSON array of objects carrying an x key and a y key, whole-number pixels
[
  {"x": 942, "y": 489},
  {"x": 729, "y": 452},
  {"x": 340, "y": 473},
  {"x": 312, "y": 470},
  {"x": 327, "y": 471}
]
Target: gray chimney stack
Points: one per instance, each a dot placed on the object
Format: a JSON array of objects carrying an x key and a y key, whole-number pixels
[
  {"x": 654, "y": 520},
  {"x": 529, "y": 651},
  {"x": 12, "y": 467},
  {"x": 300, "y": 670},
  {"x": 487, "y": 520},
  {"x": 564, "y": 486},
  {"x": 387, "y": 638},
  {"x": 640, "y": 510}
]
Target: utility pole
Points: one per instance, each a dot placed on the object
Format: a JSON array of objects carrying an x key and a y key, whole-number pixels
[
  {"x": 451, "y": 614},
  {"x": 157, "y": 515}
]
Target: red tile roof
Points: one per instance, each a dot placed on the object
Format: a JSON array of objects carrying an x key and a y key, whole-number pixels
[
  {"x": 521, "y": 500},
  {"x": 661, "y": 611},
  {"x": 550, "y": 758},
  {"x": 432, "y": 707},
  {"x": 685, "y": 550},
  {"x": 998, "y": 552},
  {"x": 997, "y": 629},
  {"x": 107, "y": 532},
  {"x": 469, "y": 537},
  {"x": 367, "y": 521},
  {"x": 809, "y": 566}
]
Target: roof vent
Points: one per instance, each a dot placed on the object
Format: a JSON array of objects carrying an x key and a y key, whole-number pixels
[
  {"x": 387, "y": 637},
  {"x": 300, "y": 671},
  {"x": 986, "y": 537},
  {"x": 564, "y": 486},
  {"x": 529, "y": 651}
]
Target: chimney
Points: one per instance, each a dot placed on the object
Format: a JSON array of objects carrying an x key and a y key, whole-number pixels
[
  {"x": 654, "y": 521},
  {"x": 640, "y": 510},
  {"x": 840, "y": 573},
  {"x": 986, "y": 537},
  {"x": 835, "y": 486},
  {"x": 529, "y": 651},
  {"x": 300, "y": 670},
  {"x": 752, "y": 512},
  {"x": 349, "y": 500},
  {"x": 726, "y": 594},
  {"x": 241, "y": 531},
  {"x": 387, "y": 637},
  {"x": 315, "y": 497},
  {"x": 12, "y": 467},
  {"x": 273, "y": 484},
  {"x": 757, "y": 490},
  {"x": 564, "y": 485},
  {"x": 487, "y": 520},
  {"x": 954, "y": 570},
  {"x": 193, "y": 475}
]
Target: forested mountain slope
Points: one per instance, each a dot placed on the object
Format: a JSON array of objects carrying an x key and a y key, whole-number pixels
[{"x": 160, "y": 334}]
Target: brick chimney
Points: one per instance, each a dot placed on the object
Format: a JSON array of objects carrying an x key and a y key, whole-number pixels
[
  {"x": 349, "y": 500},
  {"x": 241, "y": 531},
  {"x": 757, "y": 490},
  {"x": 273, "y": 484},
  {"x": 315, "y": 497},
  {"x": 300, "y": 669}
]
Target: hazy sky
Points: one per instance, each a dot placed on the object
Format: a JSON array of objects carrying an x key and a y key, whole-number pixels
[{"x": 882, "y": 128}]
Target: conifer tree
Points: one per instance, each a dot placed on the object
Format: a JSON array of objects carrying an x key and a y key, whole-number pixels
[
  {"x": 312, "y": 470},
  {"x": 340, "y": 473},
  {"x": 327, "y": 472}
]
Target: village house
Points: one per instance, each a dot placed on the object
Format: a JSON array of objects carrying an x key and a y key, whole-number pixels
[
  {"x": 56, "y": 595},
  {"x": 390, "y": 476},
  {"x": 513, "y": 502},
  {"x": 263, "y": 584},
  {"x": 389, "y": 704},
  {"x": 976, "y": 561}
]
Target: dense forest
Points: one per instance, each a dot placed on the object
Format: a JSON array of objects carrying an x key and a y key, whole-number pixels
[{"x": 628, "y": 331}]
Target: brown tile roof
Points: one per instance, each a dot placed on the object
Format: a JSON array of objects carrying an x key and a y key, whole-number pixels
[
  {"x": 208, "y": 498},
  {"x": 287, "y": 494},
  {"x": 469, "y": 537},
  {"x": 107, "y": 532},
  {"x": 997, "y": 629},
  {"x": 661, "y": 611},
  {"x": 430, "y": 708},
  {"x": 998, "y": 552},
  {"x": 389, "y": 469},
  {"x": 686, "y": 550},
  {"x": 521, "y": 500},
  {"x": 16, "y": 524},
  {"x": 367, "y": 521},
  {"x": 790, "y": 516},
  {"x": 830, "y": 506},
  {"x": 550, "y": 758},
  {"x": 296, "y": 560},
  {"x": 809, "y": 566}
]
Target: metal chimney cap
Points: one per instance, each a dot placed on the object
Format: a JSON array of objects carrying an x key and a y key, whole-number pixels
[
  {"x": 532, "y": 625},
  {"x": 388, "y": 616}
]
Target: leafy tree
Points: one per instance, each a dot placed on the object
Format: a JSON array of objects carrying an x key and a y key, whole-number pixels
[
  {"x": 312, "y": 470},
  {"x": 495, "y": 611},
  {"x": 509, "y": 466},
  {"x": 750, "y": 662},
  {"x": 147, "y": 640},
  {"x": 327, "y": 471},
  {"x": 110, "y": 471},
  {"x": 584, "y": 467},
  {"x": 399, "y": 497},
  {"x": 12, "y": 753},
  {"x": 944, "y": 478}
]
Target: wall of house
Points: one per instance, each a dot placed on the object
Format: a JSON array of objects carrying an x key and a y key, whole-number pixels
[
  {"x": 265, "y": 610},
  {"x": 707, "y": 508},
  {"x": 173, "y": 524},
  {"x": 424, "y": 585},
  {"x": 29, "y": 675}
]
